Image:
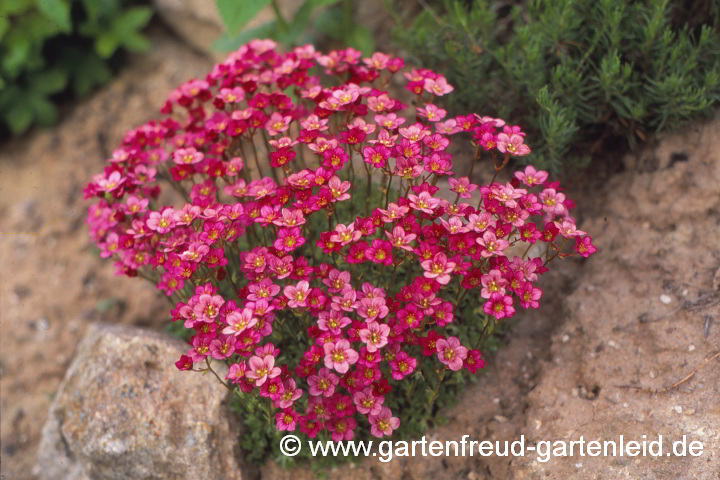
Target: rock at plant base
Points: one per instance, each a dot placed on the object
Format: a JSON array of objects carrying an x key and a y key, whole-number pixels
[{"x": 124, "y": 412}]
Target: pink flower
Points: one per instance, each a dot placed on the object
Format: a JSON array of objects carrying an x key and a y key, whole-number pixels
[
  {"x": 552, "y": 201},
  {"x": 187, "y": 156},
  {"x": 438, "y": 268},
  {"x": 345, "y": 234},
  {"x": 323, "y": 383},
  {"x": 529, "y": 296},
  {"x": 514, "y": 145},
  {"x": 492, "y": 244},
  {"x": 289, "y": 394},
  {"x": 438, "y": 86},
  {"x": 339, "y": 189},
  {"x": 297, "y": 295},
  {"x": 277, "y": 124},
  {"x": 451, "y": 352},
  {"x": 375, "y": 336},
  {"x": 161, "y": 222},
  {"x": 462, "y": 186},
  {"x": 367, "y": 403},
  {"x": 339, "y": 355},
  {"x": 383, "y": 423},
  {"x": 239, "y": 321},
  {"x": 423, "y": 202},
  {"x": 432, "y": 112},
  {"x": 260, "y": 369},
  {"x": 208, "y": 307},
  {"x": 532, "y": 177},
  {"x": 493, "y": 282},
  {"x": 399, "y": 239}
]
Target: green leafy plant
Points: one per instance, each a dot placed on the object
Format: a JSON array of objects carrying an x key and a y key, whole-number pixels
[
  {"x": 579, "y": 74},
  {"x": 332, "y": 19},
  {"x": 49, "y": 47}
]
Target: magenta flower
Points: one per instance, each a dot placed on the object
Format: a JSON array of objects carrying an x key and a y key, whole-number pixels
[
  {"x": 403, "y": 365},
  {"x": 451, "y": 352},
  {"x": 499, "y": 306},
  {"x": 380, "y": 252},
  {"x": 286, "y": 420},
  {"x": 288, "y": 239},
  {"x": 584, "y": 246},
  {"x": 383, "y": 423}
]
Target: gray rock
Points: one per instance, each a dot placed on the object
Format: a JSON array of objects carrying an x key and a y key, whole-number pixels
[
  {"x": 195, "y": 21},
  {"x": 124, "y": 411}
]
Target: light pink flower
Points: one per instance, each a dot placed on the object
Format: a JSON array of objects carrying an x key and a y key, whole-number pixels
[
  {"x": 339, "y": 355},
  {"x": 531, "y": 177},
  {"x": 451, "y": 353},
  {"x": 297, "y": 295},
  {"x": 239, "y": 321},
  {"x": 492, "y": 244},
  {"x": 514, "y": 144},
  {"x": 375, "y": 336},
  {"x": 260, "y": 369},
  {"x": 438, "y": 268}
]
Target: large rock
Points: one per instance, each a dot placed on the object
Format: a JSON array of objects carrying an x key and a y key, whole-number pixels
[
  {"x": 197, "y": 22},
  {"x": 124, "y": 412}
]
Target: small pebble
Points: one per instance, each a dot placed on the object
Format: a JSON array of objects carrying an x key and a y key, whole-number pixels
[
  {"x": 684, "y": 293},
  {"x": 472, "y": 476},
  {"x": 625, "y": 405},
  {"x": 691, "y": 348},
  {"x": 565, "y": 338},
  {"x": 665, "y": 299},
  {"x": 611, "y": 343},
  {"x": 500, "y": 418},
  {"x": 678, "y": 409},
  {"x": 496, "y": 401},
  {"x": 578, "y": 465},
  {"x": 689, "y": 411},
  {"x": 652, "y": 374}
]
